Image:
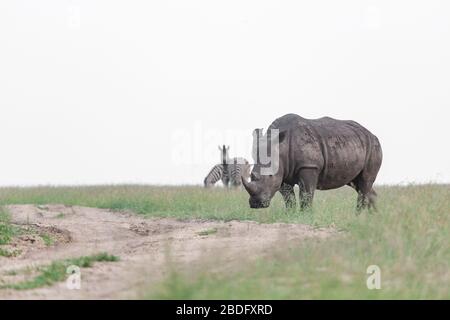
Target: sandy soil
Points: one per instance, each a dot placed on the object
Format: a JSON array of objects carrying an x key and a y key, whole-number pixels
[{"x": 147, "y": 248}]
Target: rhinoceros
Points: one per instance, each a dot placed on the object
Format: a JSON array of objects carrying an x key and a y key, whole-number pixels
[{"x": 318, "y": 154}]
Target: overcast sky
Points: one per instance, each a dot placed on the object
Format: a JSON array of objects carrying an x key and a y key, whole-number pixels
[{"x": 143, "y": 91}]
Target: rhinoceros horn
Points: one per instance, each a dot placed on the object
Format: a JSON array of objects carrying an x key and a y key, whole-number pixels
[{"x": 249, "y": 186}]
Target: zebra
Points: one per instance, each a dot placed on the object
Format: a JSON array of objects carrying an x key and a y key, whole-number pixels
[
  {"x": 229, "y": 171},
  {"x": 240, "y": 169},
  {"x": 213, "y": 176},
  {"x": 225, "y": 167}
]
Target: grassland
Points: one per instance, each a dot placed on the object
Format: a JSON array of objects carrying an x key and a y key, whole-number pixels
[
  {"x": 57, "y": 271},
  {"x": 8, "y": 231},
  {"x": 408, "y": 238}
]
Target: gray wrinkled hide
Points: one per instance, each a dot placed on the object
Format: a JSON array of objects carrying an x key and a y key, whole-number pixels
[{"x": 319, "y": 154}]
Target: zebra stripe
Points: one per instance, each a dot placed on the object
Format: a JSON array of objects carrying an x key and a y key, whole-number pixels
[
  {"x": 225, "y": 167},
  {"x": 239, "y": 169},
  {"x": 213, "y": 176},
  {"x": 230, "y": 174}
]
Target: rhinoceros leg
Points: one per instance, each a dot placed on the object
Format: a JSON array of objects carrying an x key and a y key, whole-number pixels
[
  {"x": 307, "y": 183},
  {"x": 362, "y": 202},
  {"x": 287, "y": 191},
  {"x": 366, "y": 195},
  {"x": 372, "y": 197}
]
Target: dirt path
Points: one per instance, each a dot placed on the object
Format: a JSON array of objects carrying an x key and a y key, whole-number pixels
[{"x": 146, "y": 247}]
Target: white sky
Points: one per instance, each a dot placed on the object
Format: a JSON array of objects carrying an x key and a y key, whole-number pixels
[{"x": 99, "y": 91}]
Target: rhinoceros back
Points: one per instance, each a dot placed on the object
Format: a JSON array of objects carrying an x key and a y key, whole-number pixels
[{"x": 339, "y": 149}]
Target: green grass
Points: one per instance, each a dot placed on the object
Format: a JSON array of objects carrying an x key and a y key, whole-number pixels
[
  {"x": 48, "y": 240},
  {"x": 178, "y": 202},
  {"x": 56, "y": 271},
  {"x": 9, "y": 253},
  {"x": 408, "y": 238},
  {"x": 7, "y": 231},
  {"x": 207, "y": 232}
]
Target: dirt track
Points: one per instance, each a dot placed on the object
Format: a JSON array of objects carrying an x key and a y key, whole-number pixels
[{"x": 146, "y": 247}]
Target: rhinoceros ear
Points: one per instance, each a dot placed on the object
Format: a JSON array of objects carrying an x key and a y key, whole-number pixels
[
  {"x": 254, "y": 176},
  {"x": 281, "y": 136}
]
